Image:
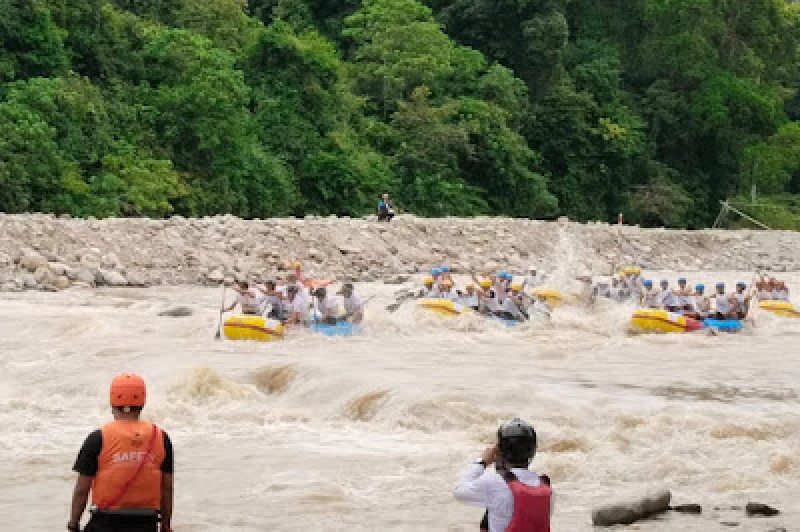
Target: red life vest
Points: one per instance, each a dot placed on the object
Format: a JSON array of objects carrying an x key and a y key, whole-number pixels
[{"x": 531, "y": 507}]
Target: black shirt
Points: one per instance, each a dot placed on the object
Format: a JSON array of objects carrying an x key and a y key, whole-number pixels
[{"x": 86, "y": 463}]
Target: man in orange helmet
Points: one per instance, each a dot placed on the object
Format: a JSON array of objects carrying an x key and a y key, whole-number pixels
[{"x": 127, "y": 465}]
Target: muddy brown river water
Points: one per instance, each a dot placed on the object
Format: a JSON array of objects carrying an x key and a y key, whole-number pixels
[{"x": 372, "y": 432}]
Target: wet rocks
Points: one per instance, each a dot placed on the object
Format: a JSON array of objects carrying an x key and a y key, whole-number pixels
[
  {"x": 636, "y": 509},
  {"x": 694, "y": 509},
  {"x": 109, "y": 278},
  {"x": 757, "y": 509},
  {"x": 177, "y": 312}
]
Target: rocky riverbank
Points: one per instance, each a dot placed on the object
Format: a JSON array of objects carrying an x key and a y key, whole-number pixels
[{"x": 50, "y": 253}]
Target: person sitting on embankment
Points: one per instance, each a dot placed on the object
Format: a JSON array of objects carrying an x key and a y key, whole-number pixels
[{"x": 515, "y": 498}]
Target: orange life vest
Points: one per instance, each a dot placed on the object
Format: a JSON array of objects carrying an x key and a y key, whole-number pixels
[
  {"x": 531, "y": 507},
  {"x": 125, "y": 445}
]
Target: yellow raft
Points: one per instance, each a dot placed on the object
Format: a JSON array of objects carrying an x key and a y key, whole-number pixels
[
  {"x": 552, "y": 297},
  {"x": 256, "y": 328},
  {"x": 781, "y": 308},
  {"x": 652, "y": 320},
  {"x": 443, "y": 307}
]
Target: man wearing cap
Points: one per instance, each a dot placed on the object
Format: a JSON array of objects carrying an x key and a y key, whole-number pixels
[
  {"x": 297, "y": 306},
  {"x": 702, "y": 304},
  {"x": 725, "y": 304},
  {"x": 742, "y": 300},
  {"x": 327, "y": 307},
  {"x": 353, "y": 307},
  {"x": 683, "y": 296},
  {"x": 650, "y": 298},
  {"x": 127, "y": 466},
  {"x": 667, "y": 299},
  {"x": 470, "y": 298}
]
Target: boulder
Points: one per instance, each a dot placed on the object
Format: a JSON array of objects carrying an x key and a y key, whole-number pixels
[
  {"x": 81, "y": 275},
  {"x": 109, "y": 261},
  {"x": 137, "y": 279},
  {"x": 688, "y": 509},
  {"x": 59, "y": 282},
  {"x": 177, "y": 312},
  {"x": 25, "y": 281},
  {"x": 58, "y": 268},
  {"x": 42, "y": 275},
  {"x": 109, "y": 278},
  {"x": 32, "y": 261},
  {"x": 237, "y": 244},
  {"x": 754, "y": 509},
  {"x": 625, "y": 513}
]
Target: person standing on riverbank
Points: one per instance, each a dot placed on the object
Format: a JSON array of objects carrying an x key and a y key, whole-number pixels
[
  {"x": 385, "y": 209},
  {"x": 127, "y": 466},
  {"x": 515, "y": 498}
]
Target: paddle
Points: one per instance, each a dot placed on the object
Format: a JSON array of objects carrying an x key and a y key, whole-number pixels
[{"x": 218, "y": 334}]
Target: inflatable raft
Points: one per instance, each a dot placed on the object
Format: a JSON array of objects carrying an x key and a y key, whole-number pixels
[
  {"x": 256, "y": 328},
  {"x": 552, "y": 297},
  {"x": 723, "y": 325},
  {"x": 650, "y": 320},
  {"x": 342, "y": 328},
  {"x": 443, "y": 307},
  {"x": 781, "y": 308}
]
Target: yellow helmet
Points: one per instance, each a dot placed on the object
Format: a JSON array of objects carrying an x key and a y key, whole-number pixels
[
  {"x": 427, "y": 280},
  {"x": 296, "y": 264},
  {"x": 516, "y": 287},
  {"x": 470, "y": 286},
  {"x": 486, "y": 283},
  {"x": 447, "y": 282}
]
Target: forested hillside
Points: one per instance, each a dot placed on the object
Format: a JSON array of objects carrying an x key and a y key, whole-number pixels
[{"x": 525, "y": 108}]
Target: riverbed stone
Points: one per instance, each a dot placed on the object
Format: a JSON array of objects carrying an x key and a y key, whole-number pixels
[
  {"x": 757, "y": 509},
  {"x": 109, "y": 278},
  {"x": 633, "y": 510}
]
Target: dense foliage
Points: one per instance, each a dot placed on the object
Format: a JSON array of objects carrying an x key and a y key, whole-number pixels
[{"x": 529, "y": 108}]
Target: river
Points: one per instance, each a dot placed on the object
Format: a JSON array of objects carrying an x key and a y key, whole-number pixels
[{"x": 372, "y": 432}]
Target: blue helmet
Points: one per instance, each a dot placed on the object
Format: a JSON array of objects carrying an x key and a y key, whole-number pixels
[
  {"x": 720, "y": 285},
  {"x": 700, "y": 288},
  {"x": 444, "y": 269},
  {"x": 742, "y": 284},
  {"x": 682, "y": 280},
  {"x": 648, "y": 282},
  {"x": 436, "y": 271},
  {"x": 509, "y": 276}
]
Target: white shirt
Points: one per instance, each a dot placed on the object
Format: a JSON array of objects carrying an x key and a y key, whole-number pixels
[
  {"x": 449, "y": 295},
  {"x": 469, "y": 300},
  {"x": 352, "y": 303},
  {"x": 487, "y": 489},
  {"x": 723, "y": 303},
  {"x": 781, "y": 295},
  {"x": 702, "y": 304},
  {"x": 300, "y": 306},
  {"x": 328, "y": 307},
  {"x": 667, "y": 299},
  {"x": 250, "y": 302},
  {"x": 651, "y": 299}
]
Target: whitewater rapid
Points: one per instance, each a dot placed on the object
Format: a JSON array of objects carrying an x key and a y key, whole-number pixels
[{"x": 372, "y": 432}]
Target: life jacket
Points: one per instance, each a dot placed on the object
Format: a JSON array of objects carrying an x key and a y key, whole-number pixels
[
  {"x": 125, "y": 446},
  {"x": 531, "y": 506}
]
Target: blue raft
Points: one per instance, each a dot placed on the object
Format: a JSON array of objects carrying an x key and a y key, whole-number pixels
[
  {"x": 723, "y": 325},
  {"x": 342, "y": 328}
]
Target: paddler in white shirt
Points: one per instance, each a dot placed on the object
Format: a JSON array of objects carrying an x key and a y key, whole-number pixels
[
  {"x": 470, "y": 298},
  {"x": 297, "y": 307},
  {"x": 446, "y": 291},
  {"x": 353, "y": 307},
  {"x": 666, "y": 297},
  {"x": 328, "y": 307},
  {"x": 724, "y": 303},
  {"x": 249, "y": 299},
  {"x": 650, "y": 298},
  {"x": 683, "y": 296},
  {"x": 742, "y": 300},
  {"x": 702, "y": 304},
  {"x": 428, "y": 291}
]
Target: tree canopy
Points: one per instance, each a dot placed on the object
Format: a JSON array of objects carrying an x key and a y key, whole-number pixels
[{"x": 526, "y": 108}]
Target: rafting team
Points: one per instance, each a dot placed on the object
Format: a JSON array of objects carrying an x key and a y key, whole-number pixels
[
  {"x": 127, "y": 466},
  {"x": 298, "y": 301},
  {"x": 496, "y": 295}
]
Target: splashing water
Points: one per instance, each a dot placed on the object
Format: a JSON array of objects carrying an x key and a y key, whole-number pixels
[{"x": 372, "y": 431}]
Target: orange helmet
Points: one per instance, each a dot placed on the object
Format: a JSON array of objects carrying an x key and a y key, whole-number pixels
[{"x": 128, "y": 389}]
